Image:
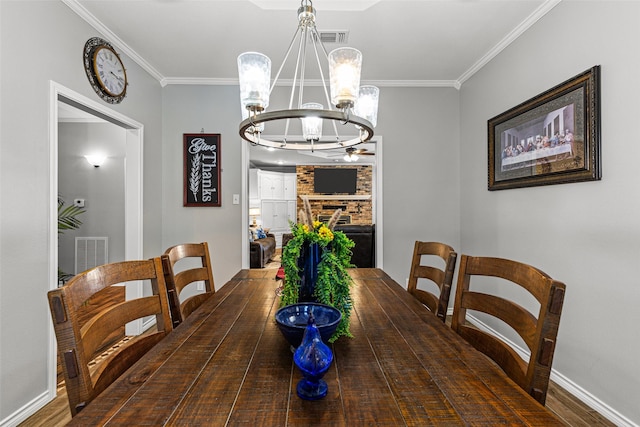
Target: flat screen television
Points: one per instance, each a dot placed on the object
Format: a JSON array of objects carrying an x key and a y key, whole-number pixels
[{"x": 335, "y": 180}]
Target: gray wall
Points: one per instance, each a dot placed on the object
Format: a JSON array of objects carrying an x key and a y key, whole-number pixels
[
  {"x": 42, "y": 41},
  {"x": 216, "y": 109},
  {"x": 420, "y": 172},
  {"x": 102, "y": 188},
  {"x": 420, "y": 185},
  {"x": 585, "y": 234},
  {"x": 434, "y": 182}
]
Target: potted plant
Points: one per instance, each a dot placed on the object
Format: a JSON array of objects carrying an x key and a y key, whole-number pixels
[
  {"x": 315, "y": 263},
  {"x": 67, "y": 220}
]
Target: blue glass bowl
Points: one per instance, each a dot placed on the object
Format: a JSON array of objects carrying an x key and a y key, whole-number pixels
[{"x": 292, "y": 320}]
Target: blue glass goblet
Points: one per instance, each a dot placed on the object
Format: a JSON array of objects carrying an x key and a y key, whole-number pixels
[{"x": 313, "y": 358}]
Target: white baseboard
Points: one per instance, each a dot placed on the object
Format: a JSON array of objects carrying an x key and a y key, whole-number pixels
[
  {"x": 148, "y": 323},
  {"x": 580, "y": 393},
  {"x": 590, "y": 400},
  {"x": 27, "y": 410}
]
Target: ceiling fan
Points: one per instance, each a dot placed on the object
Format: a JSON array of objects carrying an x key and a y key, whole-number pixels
[{"x": 352, "y": 154}]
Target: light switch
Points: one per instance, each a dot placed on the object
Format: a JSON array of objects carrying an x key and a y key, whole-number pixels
[{"x": 236, "y": 199}]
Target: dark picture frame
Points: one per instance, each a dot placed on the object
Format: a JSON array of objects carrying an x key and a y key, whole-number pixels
[
  {"x": 202, "y": 157},
  {"x": 553, "y": 138}
]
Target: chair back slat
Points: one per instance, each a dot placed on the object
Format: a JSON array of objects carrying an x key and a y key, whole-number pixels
[
  {"x": 185, "y": 278},
  {"x": 122, "y": 360},
  {"x": 96, "y": 331},
  {"x": 177, "y": 281},
  {"x": 516, "y": 316},
  {"x": 78, "y": 338},
  {"x": 538, "y": 330},
  {"x": 530, "y": 278},
  {"x": 506, "y": 357},
  {"x": 441, "y": 277},
  {"x": 189, "y": 305}
]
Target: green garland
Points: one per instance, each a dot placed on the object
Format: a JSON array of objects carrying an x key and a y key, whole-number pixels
[{"x": 334, "y": 283}]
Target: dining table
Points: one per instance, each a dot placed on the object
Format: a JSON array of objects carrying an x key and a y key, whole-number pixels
[{"x": 228, "y": 364}]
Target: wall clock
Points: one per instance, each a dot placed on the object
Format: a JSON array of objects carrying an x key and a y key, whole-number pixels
[{"x": 105, "y": 70}]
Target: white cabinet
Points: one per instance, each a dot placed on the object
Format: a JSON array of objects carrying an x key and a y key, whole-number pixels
[
  {"x": 254, "y": 184},
  {"x": 290, "y": 186},
  {"x": 275, "y": 214},
  {"x": 275, "y": 194},
  {"x": 271, "y": 185},
  {"x": 292, "y": 212},
  {"x": 275, "y": 217}
]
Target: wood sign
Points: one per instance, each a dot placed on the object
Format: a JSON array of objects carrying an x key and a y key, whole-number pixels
[{"x": 201, "y": 152}]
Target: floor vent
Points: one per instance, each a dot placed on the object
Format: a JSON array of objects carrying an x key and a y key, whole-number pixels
[{"x": 91, "y": 252}]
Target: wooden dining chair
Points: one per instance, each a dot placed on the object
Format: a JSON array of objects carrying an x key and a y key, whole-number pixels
[
  {"x": 81, "y": 340},
  {"x": 178, "y": 281},
  {"x": 537, "y": 331},
  {"x": 440, "y": 278}
]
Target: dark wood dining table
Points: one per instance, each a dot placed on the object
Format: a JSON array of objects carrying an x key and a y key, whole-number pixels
[{"x": 228, "y": 364}]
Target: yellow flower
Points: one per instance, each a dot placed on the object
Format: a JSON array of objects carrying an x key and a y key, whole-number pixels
[
  {"x": 317, "y": 224},
  {"x": 325, "y": 233},
  {"x": 305, "y": 228}
]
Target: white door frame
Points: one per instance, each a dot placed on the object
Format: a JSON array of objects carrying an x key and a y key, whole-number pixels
[{"x": 133, "y": 197}]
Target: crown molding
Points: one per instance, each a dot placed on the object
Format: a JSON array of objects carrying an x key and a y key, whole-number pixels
[
  {"x": 329, "y": 5},
  {"x": 116, "y": 41},
  {"x": 309, "y": 83},
  {"x": 509, "y": 38},
  {"x": 457, "y": 84}
]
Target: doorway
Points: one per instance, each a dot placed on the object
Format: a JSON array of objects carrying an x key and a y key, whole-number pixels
[
  {"x": 256, "y": 157},
  {"x": 132, "y": 133}
]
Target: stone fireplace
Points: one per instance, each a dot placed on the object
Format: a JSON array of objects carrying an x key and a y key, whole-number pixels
[{"x": 357, "y": 208}]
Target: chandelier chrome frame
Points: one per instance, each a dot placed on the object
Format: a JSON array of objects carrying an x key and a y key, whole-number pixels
[
  {"x": 248, "y": 129},
  {"x": 251, "y": 127}
]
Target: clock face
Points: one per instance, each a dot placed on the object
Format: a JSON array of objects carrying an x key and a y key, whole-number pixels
[
  {"x": 105, "y": 70},
  {"x": 109, "y": 71}
]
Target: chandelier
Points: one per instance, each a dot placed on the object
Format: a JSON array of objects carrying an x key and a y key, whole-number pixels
[{"x": 351, "y": 108}]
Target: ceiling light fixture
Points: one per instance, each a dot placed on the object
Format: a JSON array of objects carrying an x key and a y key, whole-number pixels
[
  {"x": 350, "y": 157},
  {"x": 354, "y": 104}
]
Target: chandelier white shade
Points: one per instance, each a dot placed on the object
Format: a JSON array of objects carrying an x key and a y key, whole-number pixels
[
  {"x": 367, "y": 104},
  {"x": 312, "y": 125},
  {"x": 348, "y": 116},
  {"x": 345, "y": 65},
  {"x": 254, "y": 70}
]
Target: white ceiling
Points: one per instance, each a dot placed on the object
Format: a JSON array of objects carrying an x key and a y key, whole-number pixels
[{"x": 404, "y": 43}]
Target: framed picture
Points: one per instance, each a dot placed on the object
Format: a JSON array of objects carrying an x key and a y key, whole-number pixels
[
  {"x": 201, "y": 153},
  {"x": 553, "y": 138}
]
